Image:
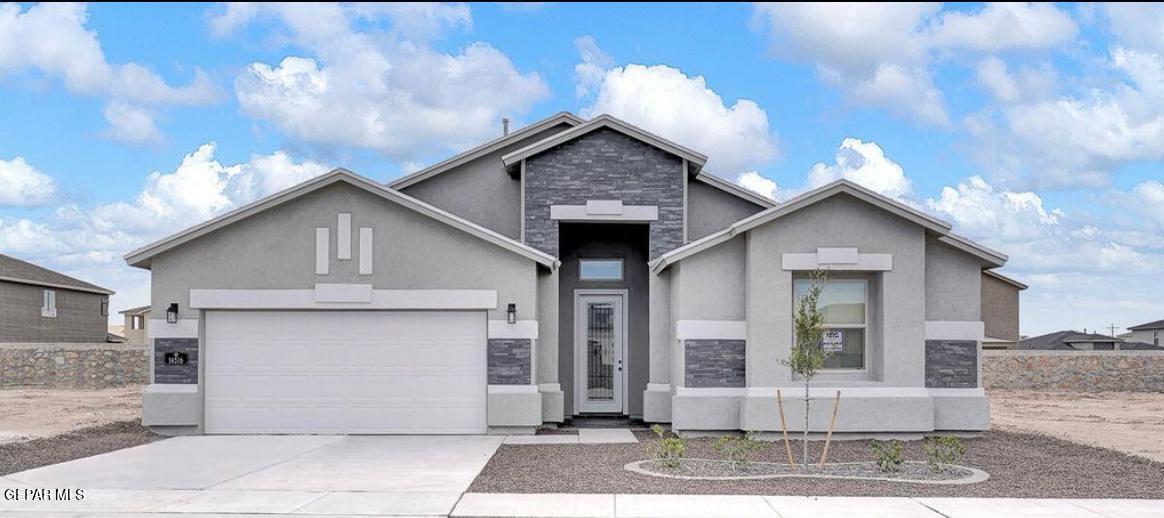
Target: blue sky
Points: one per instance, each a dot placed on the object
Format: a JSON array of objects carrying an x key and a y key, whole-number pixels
[{"x": 1036, "y": 129}]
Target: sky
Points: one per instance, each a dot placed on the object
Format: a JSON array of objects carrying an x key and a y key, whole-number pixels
[{"x": 1034, "y": 129}]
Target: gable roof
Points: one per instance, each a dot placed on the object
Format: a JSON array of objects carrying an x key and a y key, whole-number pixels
[
  {"x": 1005, "y": 279},
  {"x": 694, "y": 159},
  {"x": 486, "y": 148},
  {"x": 1159, "y": 324},
  {"x": 930, "y": 223},
  {"x": 141, "y": 257},
  {"x": 135, "y": 311},
  {"x": 24, "y": 272},
  {"x": 731, "y": 188}
]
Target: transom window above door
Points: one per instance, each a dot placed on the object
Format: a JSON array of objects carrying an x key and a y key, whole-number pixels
[
  {"x": 600, "y": 269},
  {"x": 843, "y": 303}
]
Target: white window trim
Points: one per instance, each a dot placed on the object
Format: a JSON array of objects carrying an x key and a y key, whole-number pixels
[
  {"x": 826, "y": 371},
  {"x": 48, "y": 304},
  {"x": 621, "y": 271}
]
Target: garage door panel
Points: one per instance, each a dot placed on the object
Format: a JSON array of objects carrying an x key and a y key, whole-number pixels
[{"x": 345, "y": 372}]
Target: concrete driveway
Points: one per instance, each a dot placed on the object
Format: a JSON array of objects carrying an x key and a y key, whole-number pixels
[{"x": 321, "y": 475}]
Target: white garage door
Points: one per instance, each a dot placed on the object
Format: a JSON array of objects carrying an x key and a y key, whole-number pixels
[{"x": 345, "y": 372}]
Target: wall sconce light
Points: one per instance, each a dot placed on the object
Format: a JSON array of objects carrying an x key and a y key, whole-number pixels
[
  {"x": 511, "y": 313},
  {"x": 172, "y": 313}
]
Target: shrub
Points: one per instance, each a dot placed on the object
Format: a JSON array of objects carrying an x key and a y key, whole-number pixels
[
  {"x": 737, "y": 450},
  {"x": 943, "y": 450},
  {"x": 668, "y": 450},
  {"x": 889, "y": 458}
]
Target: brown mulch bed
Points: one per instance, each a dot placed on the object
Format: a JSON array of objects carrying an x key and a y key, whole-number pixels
[
  {"x": 85, "y": 442},
  {"x": 1020, "y": 465}
]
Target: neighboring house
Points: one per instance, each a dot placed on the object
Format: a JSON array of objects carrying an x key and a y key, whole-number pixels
[
  {"x": 1000, "y": 310},
  {"x": 1076, "y": 341},
  {"x": 135, "y": 329},
  {"x": 40, "y": 305},
  {"x": 569, "y": 268},
  {"x": 1150, "y": 333}
]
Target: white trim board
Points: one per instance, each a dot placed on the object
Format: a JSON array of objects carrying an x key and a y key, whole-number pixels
[
  {"x": 513, "y": 389},
  {"x": 815, "y": 261},
  {"x": 520, "y": 329},
  {"x": 184, "y": 328},
  {"x": 305, "y": 299},
  {"x": 955, "y": 330},
  {"x": 711, "y": 330},
  {"x": 590, "y": 212}
]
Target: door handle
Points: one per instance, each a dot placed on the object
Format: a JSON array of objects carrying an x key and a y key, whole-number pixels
[{"x": 619, "y": 365}]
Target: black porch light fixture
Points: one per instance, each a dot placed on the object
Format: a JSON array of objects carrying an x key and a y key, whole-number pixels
[
  {"x": 511, "y": 313},
  {"x": 172, "y": 313}
]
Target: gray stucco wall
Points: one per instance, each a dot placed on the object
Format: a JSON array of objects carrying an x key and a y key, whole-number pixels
[
  {"x": 604, "y": 165},
  {"x": 953, "y": 283},
  {"x": 78, "y": 319},
  {"x": 481, "y": 191},
  {"x": 712, "y": 283},
  {"x": 606, "y": 241},
  {"x": 710, "y": 209},
  {"x": 840, "y": 221},
  {"x": 276, "y": 249},
  {"x": 1000, "y": 308}
]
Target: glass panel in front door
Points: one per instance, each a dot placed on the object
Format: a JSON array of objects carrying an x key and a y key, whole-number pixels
[{"x": 600, "y": 353}]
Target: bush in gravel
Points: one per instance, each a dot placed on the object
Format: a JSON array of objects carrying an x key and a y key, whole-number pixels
[
  {"x": 889, "y": 459},
  {"x": 943, "y": 450},
  {"x": 737, "y": 450},
  {"x": 668, "y": 450}
]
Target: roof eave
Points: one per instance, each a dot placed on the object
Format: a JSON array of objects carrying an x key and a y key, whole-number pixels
[
  {"x": 56, "y": 285},
  {"x": 733, "y": 189},
  {"x": 695, "y": 160}
]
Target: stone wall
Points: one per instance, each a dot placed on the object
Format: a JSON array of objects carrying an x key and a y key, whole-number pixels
[
  {"x": 509, "y": 361},
  {"x": 1084, "y": 371},
  {"x": 951, "y": 364},
  {"x": 73, "y": 365},
  {"x": 714, "y": 363}
]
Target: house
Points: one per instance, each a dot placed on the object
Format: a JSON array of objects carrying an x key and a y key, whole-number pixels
[
  {"x": 1150, "y": 333},
  {"x": 1076, "y": 341},
  {"x": 136, "y": 325},
  {"x": 40, "y": 305},
  {"x": 1000, "y": 310},
  {"x": 572, "y": 267}
]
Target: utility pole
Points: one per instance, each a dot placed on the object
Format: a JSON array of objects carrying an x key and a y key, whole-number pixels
[{"x": 1113, "y": 328}]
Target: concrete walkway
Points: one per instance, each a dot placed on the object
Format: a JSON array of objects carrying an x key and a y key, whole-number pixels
[
  {"x": 713, "y": 506},
  {"x": 584, "y": 436}
]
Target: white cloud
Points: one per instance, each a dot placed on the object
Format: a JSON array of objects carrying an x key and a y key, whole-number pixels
[
  {"x": 881, "y": 55},
  {"x": 864, "y": 163},
  {"x": 1028, "y": 84},
  {"x": 591, "y": 70},
  {"x": 21, "y": 184},
  {"x": 89, "y": 241},
  {"x": 384, "y": 90},
  {"x": 1005, "y": 25},
  {"x": 979, "y": 210},
  {"x": 1137, "y": 24},
  {"x": 1149, "y": 200},
  {"x": 53, "y": 40},
  {"x": 682, "y": 108},
  {"x": 133, "y": 124},
  {"x": 759, "y": 184}
]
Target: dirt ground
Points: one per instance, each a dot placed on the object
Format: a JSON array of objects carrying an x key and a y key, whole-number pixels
[
  {"x": 1131, "y": 422},
  {"x": 38, "y": 413}
]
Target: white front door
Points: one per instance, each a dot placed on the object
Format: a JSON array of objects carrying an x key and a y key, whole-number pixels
[
  {"x": 599, "y": 342},
  {"x": 345, "y": 372}
]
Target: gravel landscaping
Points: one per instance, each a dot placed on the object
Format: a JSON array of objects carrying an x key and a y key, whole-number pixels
[
  {"x": 86, "y": 442},
  {"x": 711, "y": 469},
  {"x": 1020, "y": 465}
]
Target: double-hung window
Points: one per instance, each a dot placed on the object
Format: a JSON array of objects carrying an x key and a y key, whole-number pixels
[
  {"x": 48, "y": 305},
  {"x": 844, "y": 305}
]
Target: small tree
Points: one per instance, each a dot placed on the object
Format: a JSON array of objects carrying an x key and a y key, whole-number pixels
[{"x": 807, "y": 357}]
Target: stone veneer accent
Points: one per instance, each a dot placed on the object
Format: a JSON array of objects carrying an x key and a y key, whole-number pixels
[
  {"x": 951, "y": 364},
  {"x": 509, "y": 361},
  {"x": 73, "y": 365},
  {"x": 604, "y": 165},
  {"x": 714, "y": 363},
  {"x": 1080, "y": 371},
  {"x": 185, "y": 374}
]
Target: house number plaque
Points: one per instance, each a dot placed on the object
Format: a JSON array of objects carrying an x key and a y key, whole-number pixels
[{"x": 174, "y": 358}]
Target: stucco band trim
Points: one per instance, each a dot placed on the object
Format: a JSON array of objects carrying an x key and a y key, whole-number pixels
[
  {"x": 305, "y": 299},
  {"x": 184, "y": 328},
  {"x": 520, "y": 329},
  {"x": 813, "y": 261},
  {"x": 711, "y": 330},
  {"x": 953, "y": 330}
]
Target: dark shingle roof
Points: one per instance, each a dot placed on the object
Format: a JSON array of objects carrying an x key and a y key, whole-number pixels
[
  {"x": 15, "y": 270},
  {"x": 1159, "y": 324},
  {"x": 1139, "y": 346},
  {"x": 1061, "y": 341}
]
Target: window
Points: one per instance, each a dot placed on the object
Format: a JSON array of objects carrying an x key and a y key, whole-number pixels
[
  {"x": 104, "y": 307},
  {"x": 48, "y": 306},
  {"x": 600, "y": 269},
  {"x": 844, "y": 307},
  {"x": 137, "y": 322}
]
